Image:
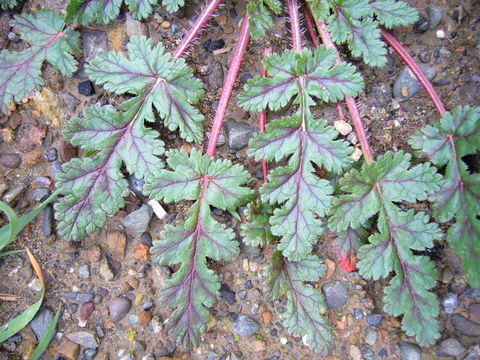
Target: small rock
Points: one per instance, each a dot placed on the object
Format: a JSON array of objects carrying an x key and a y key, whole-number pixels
[
  {"x": 148, "y": 357},
  {"x": 134, "y": 27},
  {"x": 105, "y": 271},
  {"x": 409, "y": 351},
  {"x": 267, "y": 317},
  {"x": 425, "y": 56},
  {"x": 258, "y": 346},
  {"x": 40, "y": 323},
  {"x": 356, "y": 154},
  {"x": 407, "y": 84},
  {"x": 11, "y": 161},
  {"x": 472, "y": 293},
  {"x": 86, "y": 88},
  {"x": 358, "y": 314},
  {"x": 136, "y": 185},
  {"x": 67, "y": 151},
  {"x": 78, "y": 297},
  {"x": 67, "y": 349},
  {"x": 227, "y": 294},
  {"x": 12, "y": 195},
  {"x": 211, "y": 45},
  {"x": 133, "y": 319},
  {"x": 138, "y": 220},
  {"x": 374, "y": 319},
  {"x": 343, "y": 127},
  {"x": 85, "y": 338},
  {"x": 33, "y": 158},
  {"x": 165, "y": 24},
  {"x": 245, "y": 326},
  {"x": 94, "y": 254},
  {"x": 118, "y": 308},
  {"x": 89, "y": 354},
  {"x": 35, "y": 285},
  {"x": 39, "y": 194},
  {"x": 117, "y": 243},
  {"x": 238, "y": 134},
  {"x": 94, "y": 43},
  {"x": 368, "y": 354},
  {"x": 355, "y": 353},
  {"x": 142, "y": 252},
  {"x": 86, "y": 309},
  {"x": 473, "y": 354},
  {"x": 422, "y": 25},
  {"x": 450, "y": 347},
  {"x": 144, "y": 317},
  {"x": 435, "y": 15},
  {"x": 336, "y": 294},
  {"x": 440, "y": 34},
  {"x": 215, "y": 77},
  {"x": 84, "y": 271},
  {"x": 242, "y": 294},
  {"x": 450, "y": 302},
  {"x": 146, "y": 238},
  {"x": 70, "y": 101},
  {"x": 383, "y": 353},
  {"x": 370, "y": 336},
  {"x": 465, "y": 326},
  {"x": 7, "y": 135},
  {"x": 474, "y": 311}
]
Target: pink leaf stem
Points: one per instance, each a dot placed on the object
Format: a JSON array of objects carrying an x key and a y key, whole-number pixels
[
  {"x": 262, "y": 118},
  {"x": 295, "y": 25}
]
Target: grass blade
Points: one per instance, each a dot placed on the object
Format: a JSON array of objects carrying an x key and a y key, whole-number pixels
[{"x": 43, "y": 344}]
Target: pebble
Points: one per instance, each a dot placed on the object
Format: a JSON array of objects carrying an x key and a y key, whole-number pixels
[
  {"x": 144, "y": 317},
  {"x": 358, "y": 314},
  {"x": 117, "y": 243},
  {"x": 136, "y": 185},
  {"x": 118, "y": 308},
  {"x": 383, "y": 353},
  {"x": 238, "y": 134},
  {"x": 67, "y": 349},
  {"x": 473, "y": 354},
  {"x": 368, "y": 354},
  {"x": 148, "y": 357},
  {"x": 86, "y": 309},
  {"x": 71, "y": 101},
  {"x": 336, "y": 294},
  {"x": 138, "y": 220},
  {"x": 421, "y": 26},
  {"x": 370, "y": 336},
  {"x": 450, "y": 347},
  {"x": 84, "y": 271},
  {"x": 425, "y": 56},
  {"x": 440, "y": 34},
  {"x": 94, "y": 43},
  {"x": 35, "y": 285},
  {"x": 435, "y": 15},
  {"x": 33, "y": 158},
  {"x": 407, "y": 85},
  {"x": 40, "y": 323},
  {"x": 211, "y": 45},
  {"x": 146, "y": 238},
  {"x": 56, "y": 169},
  {"x": 472, "y": 293},
  {"x": 133, "y": 319},
  {"x": 105, "y": 271},
  {"x": 86, "y": 88},
  {"x": 100, "y": 332},
  {"x": 465, "y": 326},
  {"x": 245, "y": 326},
  {"x": 355, "y": 352},
  {"x": 85, "y": 338},
  {"x": 94, "y": 254},
  {"x": 89, "y": 354},
  {"x": 215, "y": 77},
  {"x": 11, "y": 161},
  {"x": 374, "y": 319},
  {"x": 47, "y": 220},
  {"x": 410, "y": 351},
  {"x": 450, "y": 302},
  {"x": 134, "y": 27},
  {"x": 343, "y": 127},
  {"x": 12, "y": 195},
  {"x": 242, "y": 294},
  {"x": 78, "y": 297},
  {"x": 474, "y": 310},
  {"x": 227, "y": 294}
]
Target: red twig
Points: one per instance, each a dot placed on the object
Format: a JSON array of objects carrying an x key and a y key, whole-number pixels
[
  {"x": 237, "y": 57},
  {"x": 262, "y": 118},
  {"x": 295, "y": 25},
  {"x": 351, "y": 104},
  {"x": 413, "y": 66},
  {"x": 196, "y": 28},
  {"x": 311, "y": 27}
]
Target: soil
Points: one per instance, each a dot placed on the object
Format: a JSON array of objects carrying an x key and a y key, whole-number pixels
[{"x": 389, "y": 123}]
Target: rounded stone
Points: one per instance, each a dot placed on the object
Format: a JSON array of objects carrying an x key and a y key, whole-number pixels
[
  {"x": 118, "y": 308},
  {"x": 336, "y": 294}
]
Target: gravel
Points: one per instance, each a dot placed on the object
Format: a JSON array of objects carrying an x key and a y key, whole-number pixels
[
  {"x": 410, "y": 351},
  {"x": 138, "y": 220},
  {"x": 336, "y": 294},
  {"x": 94, "y": 43},
  {"x": 435, "y": 15},
  {"x": 374, "y": 319},
  {"x": 465, "y": 326},
  {"x": 450, "y": 302},
  {"x": 118, "y": 308},
  {"x": 40, "y": 322},
  {"x": 85, "y": 338},
  {"x": 407, "y": 84},
  {"x": 450, "y": 347},
  {"x": 238, "y": 134},
  {"x": 245, "y": 326}
]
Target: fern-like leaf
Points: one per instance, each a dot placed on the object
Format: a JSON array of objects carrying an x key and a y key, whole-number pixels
[
  {"x": 194, "y": 287},
  {"x": 8, "y": 4},
  {"x": 20, "y": 72},
  {"x": 261, "y": 16},
  {"x": 95, "y": 187},
  {"x": 445, "y": 142},
  {"x": 306, "y": 303},
  {"x": 372, "y": 190},
  {"x": 255, "y": 231}
]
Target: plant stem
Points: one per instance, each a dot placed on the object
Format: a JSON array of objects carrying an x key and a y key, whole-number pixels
[
  {"x": 237, "y": 57},
  {"x": 295, "y": 25},
  {"x": 196, "y": 28},
  {"x": 262, "y": 118},
  {"x": 413, "y": 66},
  {"x": 351, "y": 104}
]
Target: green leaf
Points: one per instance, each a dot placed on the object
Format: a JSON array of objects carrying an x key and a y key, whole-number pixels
[
  {"x": 306, "y": 304},
  {"x": 347, "y": 242},
  {"x": 14, "y": 228},
  {"x": 194, "y": 287},
  {"x": 445, "y": 142},
  {"x": 47, "y": 338},
  {"x": 365, "y": 42},
  {"x": 20, "y": 72},
  {"x": 392, "y": 13},
  {"x": 173, "y": 5},
  {"x": 375, "y": 189},
  {"x": 8, "y": 4},
  {"x": 142, "y": 9},
  {"x": 261, "y": 16},
  {"x": 256, "y": 230},
  {"x": 309, "y": 74}
]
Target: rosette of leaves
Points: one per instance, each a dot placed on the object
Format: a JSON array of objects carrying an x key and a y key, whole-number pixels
[
  {"x": 356, "y": 22},
  {"x": 374, "y": 192},
  {"x": 261, "y": 16},
  {"x": 446, "y": 142},
  {"x": 195, "y": 287},
  {"x": 49, "y": 40},
  {"x": 301, "y": 140},
  {"x": 85, "y": 12},
  {"x": 95, "y": 186}
]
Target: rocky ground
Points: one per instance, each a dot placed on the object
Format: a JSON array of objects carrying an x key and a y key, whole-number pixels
[{"x": 107, "y": 283}]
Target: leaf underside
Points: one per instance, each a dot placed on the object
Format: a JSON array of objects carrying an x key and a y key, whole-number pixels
[
  {"x": 446, "y": 142},
  {"x": 306, "y": 303},
  {"x": 95, "y": 186},
  {"x": 194, "y": 287},
  {"x": 356, "y": 23},
  {"x": 20, "y": 71},
  {"x": 262, "y": 13},
  {"x": 374, "y": 190}
]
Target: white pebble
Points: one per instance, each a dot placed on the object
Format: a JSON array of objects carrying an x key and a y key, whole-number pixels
[
  {"x": 440, "y": 34},
  {"x": 343, "y": 127},
  {"x": 283, "y": 340}
]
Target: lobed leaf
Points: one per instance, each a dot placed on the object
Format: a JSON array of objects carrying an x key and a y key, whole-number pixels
[
  {"x": 20, "y": 72},
  {"x": 194, "y": 287},
  {"x": 306, "y": 303},
  {"x": 256, "y": 230},
  {"x": 261, "y": 16},
  {"x": 8, "y": 4},
  {"x": 392, "y": 13},
  {"x": 445, "y": 142},
  {"x": 173, "y": 5}
]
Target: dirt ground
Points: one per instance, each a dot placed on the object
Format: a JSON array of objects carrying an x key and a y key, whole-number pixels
[{"x": 456, "y": 58}]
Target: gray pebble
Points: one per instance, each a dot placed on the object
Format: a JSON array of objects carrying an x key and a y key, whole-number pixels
[
  {"x": 472, "y": 293},
  {"x": 256, "y": 292},
  {"x": 465, "y": 326},
  {"x": 336, "y": 294},
  {"x": 47, "y": 220},
  {"x": 146, "y": 238},
  {"x": 215, "y": 77},
  {"x": 374, "y": 319},
  {"x": 435, "y": 15},
  {"x": 450, "y": 347},
  {"x": 368, "y": 354},
  {"x": 450, "y": 302},
  {"x": 100, "y": 332},
  {"x": 242, "y": 294},
  {"x": 245, "y": 326},
  {"x": 40, "y": 194},
  {"x": 358, "y": 314},
  {"x": 134, "y": 27},
  {"x": 370, "y": 336},
  {"x": 85, "y": 338},
  {"x": 425, "y": 56},
  {"x": 148, "y": 305},
  {"x": 84, "y": 271},
  {"x": 40, "y": 323},
  {"x": 56, "y": 168},
  {"x": 422, "y": 25},
  {"x": 238, "y": 134},
  {"x": 89, "y": 354},
  {"x": 11, "y": 161},
  {"x": 410, "y": 351},
  {"x": 407, "y": 80},
  {"x": 138, "y": 220},
  {"x": 227, "y": 294},
  {"x": 133, "y": 319},
  {"x": 94, "y": 43},
  {"x": 473, "y": 353},
  {"x": 118, "y": 308},
  {"x": 136, "y": 185},
  {"x": 78, "y": 297}
]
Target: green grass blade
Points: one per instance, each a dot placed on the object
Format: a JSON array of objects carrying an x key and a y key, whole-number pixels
[
  {"x": 11, "y": 252},
  {"x": 19, "y": 322},
  {"x": 43, "y": 344}
]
